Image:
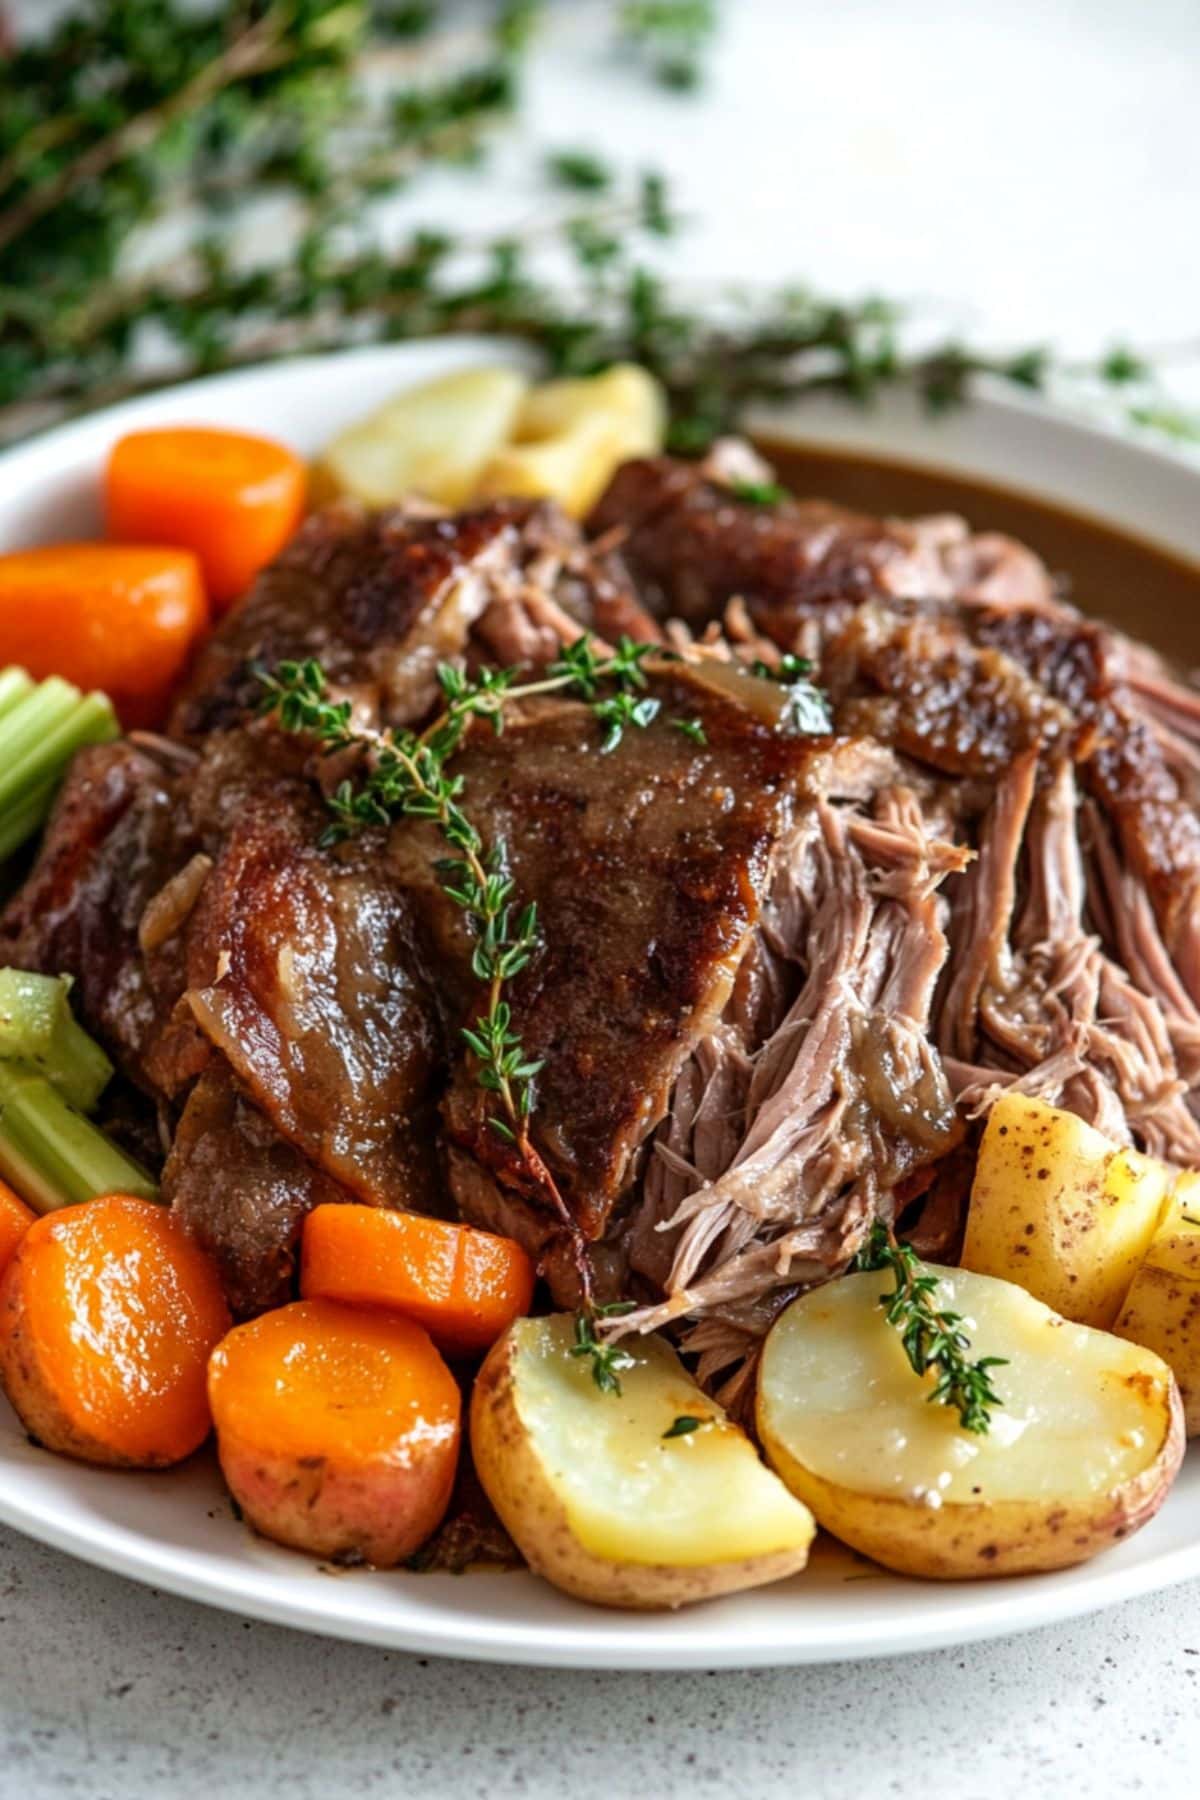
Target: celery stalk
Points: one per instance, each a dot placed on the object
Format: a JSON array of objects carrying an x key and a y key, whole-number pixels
[
  {"x": 41, "y": 728},
  {"x": 15, "y": 686},
  {"x": 37, "y": 1027},
  {"x": 41, "y": 734},
  {"x": 19, "y": 822},
  {"x": 51, "y": 1154}
]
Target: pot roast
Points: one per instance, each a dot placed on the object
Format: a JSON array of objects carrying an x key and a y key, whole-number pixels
[{"x": 780, "y": 972}]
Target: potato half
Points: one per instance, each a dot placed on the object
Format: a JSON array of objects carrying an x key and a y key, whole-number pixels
[
  {"x": 1162, "y": 1308},
  {"x": 606, "y": 1505},
  {"x": 1060, "y": 1210},
  {"x": 1082, "y": 1453},
  {"x": 571, "y": 435},
  {"x": 434, "y": 439}
]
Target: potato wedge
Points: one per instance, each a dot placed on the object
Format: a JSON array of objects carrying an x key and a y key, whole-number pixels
[
  {"x": 1162, "y": 1308},
  {"x": 434, "y": 439},
  {"x": 571, "y": 435},
  {"x": 601, "y": 1501},
  {"x": 1058, "y": 1209},
  {"x": 1081, "y": 1455}
]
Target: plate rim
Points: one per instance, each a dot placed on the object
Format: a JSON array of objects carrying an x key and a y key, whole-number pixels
[{"x": 601, "y": 1639}]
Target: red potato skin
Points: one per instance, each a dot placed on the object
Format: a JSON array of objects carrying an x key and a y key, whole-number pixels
[{"x": 379, "y": 1513}]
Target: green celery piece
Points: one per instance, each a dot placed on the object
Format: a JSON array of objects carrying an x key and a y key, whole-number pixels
[
  {"x": 22, "y": 820},
  {"x": 15, "y": 686},
  {"x": 51, "y": 1155},
  {"x": 41, "y": 728},
  {"x": 40, "y": 735},
  {"x": 38, "y": 1027}
]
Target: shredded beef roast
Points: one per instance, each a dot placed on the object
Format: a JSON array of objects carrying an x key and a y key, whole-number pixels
[{"x": 780, "y": 976}]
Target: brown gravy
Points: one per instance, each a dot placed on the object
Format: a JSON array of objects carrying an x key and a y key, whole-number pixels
[{"x": 1152, "y": 593}]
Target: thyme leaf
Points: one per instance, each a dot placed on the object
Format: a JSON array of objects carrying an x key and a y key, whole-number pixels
[
  {"x": 607, "y": 1360},
  {"x": 579, "y": 169},
  {"x": 933, "y": 1339},
  {"x": 758, "y": 493},
  {"x": 669, "y": 35},
  {"x": 683, "y": 1426},
  {"x": 690, "y": 728}
]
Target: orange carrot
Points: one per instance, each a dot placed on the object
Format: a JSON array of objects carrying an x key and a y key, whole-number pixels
[
  {"x": 464, "y": 1286},
  {"x": 337, "y": 1430},
  {"x": 105, "y": 616},
  {"x": 108, "y": 1315},
  {"x": 233, "y": 499},
  {"x": 15, "y": 1220}
]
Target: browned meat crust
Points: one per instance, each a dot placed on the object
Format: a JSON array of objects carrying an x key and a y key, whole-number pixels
[
  {"x": 648, "y": 867},
  {"x": 378, "y": 598},
  {"x": 242, "y": 1190},
  {"x": 209, "y": 936}
]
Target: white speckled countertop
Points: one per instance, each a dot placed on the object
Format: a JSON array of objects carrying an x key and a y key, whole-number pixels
[
  {"x": 115, "y": 1693},
  {"x": 1039, "y": 167}
]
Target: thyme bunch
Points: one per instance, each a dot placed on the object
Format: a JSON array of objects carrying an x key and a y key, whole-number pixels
[
  {"x": 133, "y": 109},
  {"x": 404, "y": 774},
  {"x": 933, "y": 1339}
]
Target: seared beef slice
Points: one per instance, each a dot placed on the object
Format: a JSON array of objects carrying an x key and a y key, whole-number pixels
[
  {"x": 648, "y": 867},
  {"x": 379, "y": 598}
]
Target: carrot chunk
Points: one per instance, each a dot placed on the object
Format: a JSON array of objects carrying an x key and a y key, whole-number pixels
[
  {"x": 337, "y": 1430},
  {"x": 15, "y": 1220},
  {"x": 108, "y": 1315},
  {"x": 233, "y": 499},
  {"x": 108, "y": 616},
  {"x": 464, "y": 1286}
]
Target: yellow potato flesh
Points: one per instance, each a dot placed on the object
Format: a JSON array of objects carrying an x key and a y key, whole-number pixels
[
  {"x": 1162, "y": 1308},
  {"x": 1060, "y": 1210},
  {"x": 570, "y": 436},
  {"x": 434, "y": 440},
  {"x": 1084, "y": 1412},
  {"x": 630, "y": 1494}
]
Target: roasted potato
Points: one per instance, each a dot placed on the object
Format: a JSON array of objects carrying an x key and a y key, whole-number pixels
[
  {"x": 1058, "y": 1209},
  {"x": 617, "y": 1499},
  {"x": 337, "y": 1429},
  {"x": 1162, "y": 1308},
  {"x": 1081, "y": 1454},
  {"x": 434, "y": 440},
  {"x": 571, "y": 435}
]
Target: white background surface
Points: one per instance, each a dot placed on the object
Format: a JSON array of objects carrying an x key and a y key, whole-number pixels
[{"x": 1036, "y": 167}]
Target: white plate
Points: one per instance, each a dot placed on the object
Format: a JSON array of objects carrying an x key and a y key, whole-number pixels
[{"x": 176, "y": 1530}]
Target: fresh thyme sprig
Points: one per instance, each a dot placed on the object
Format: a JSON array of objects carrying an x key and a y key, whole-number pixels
[
  {"x": 607, "y": 1360},
  {"x": 133, "y": 110},
  {"x": 933, "y": 1339},
  {"x": 404, "y": 774}
]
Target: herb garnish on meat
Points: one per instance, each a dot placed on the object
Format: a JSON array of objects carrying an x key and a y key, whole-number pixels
[
  {"x": 932, "y": 1339},
  {"x": 404, "y": 775}
]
